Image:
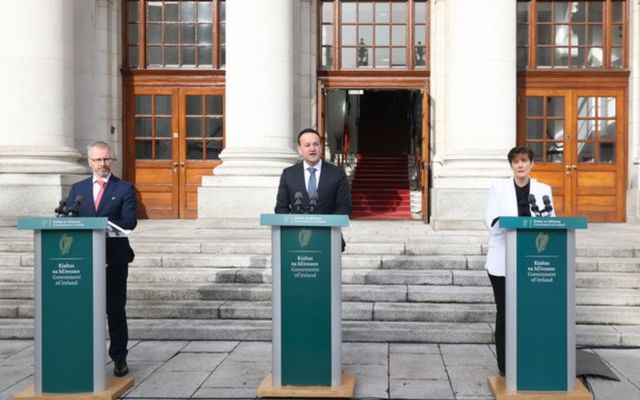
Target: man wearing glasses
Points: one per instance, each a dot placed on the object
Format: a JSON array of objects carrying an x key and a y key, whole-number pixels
[{"x": 106, "y": 195}]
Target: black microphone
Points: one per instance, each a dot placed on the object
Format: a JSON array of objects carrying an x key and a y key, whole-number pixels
[
  {"x": 60, "y": 210},
  {"x": 72, "y": 211},
  {"x": 533, "y": 205},
  {"x": 547, "y": 205},
  {"x": 297, "y": 205},
  {"x": 313, "y": 202}
]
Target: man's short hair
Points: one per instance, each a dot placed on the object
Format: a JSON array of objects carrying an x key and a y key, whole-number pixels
[
  {"x": 307, "y": 130},
  {"x": 513, "y": 153},
  {"x": 100, "y": 145}
]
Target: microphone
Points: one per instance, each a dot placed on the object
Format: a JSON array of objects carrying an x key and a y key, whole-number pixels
[
  {"x": 313, "y": 202},
  {"x": 72, "y": 211},
  {"x": 61, "y": 209},
  {"x": 533, "y": 205},
  {"x": 297, "y": 205},
  {"x": 547, "y": 205}
]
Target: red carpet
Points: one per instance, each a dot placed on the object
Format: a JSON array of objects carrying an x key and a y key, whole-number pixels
[{"x": 380, "y": 188}]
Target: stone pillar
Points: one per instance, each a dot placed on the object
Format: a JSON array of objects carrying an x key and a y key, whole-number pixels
[
  {"x": 38, "y": 160},
  {"x": 259, "y": 111},
  {"x": 480, "y": 108},
  {"x": 633, "y": 186}
]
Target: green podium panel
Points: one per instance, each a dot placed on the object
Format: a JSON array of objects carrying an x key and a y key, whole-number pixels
[
  {"x": 307, "y": 315},
  {"x": 540, "y": 302},
  {"x": 69, "y": 303}
]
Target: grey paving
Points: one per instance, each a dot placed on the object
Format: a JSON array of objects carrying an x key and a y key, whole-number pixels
[{"x": 231, "y": 369}]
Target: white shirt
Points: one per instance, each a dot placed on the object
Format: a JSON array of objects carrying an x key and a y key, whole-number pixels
[
  {"x": 307, "y": 174},
  {"x": 96, "y": 185}
]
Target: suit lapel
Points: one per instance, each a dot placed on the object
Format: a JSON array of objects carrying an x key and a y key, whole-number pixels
[{"x": 300, "y": 180}]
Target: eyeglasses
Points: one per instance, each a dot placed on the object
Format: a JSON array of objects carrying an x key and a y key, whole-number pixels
[{"x": 107, "y": 160}]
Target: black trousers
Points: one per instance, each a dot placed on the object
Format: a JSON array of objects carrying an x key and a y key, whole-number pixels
[
  {"x": 116, "y": 314},
  {"x": 497, "y": 282}
]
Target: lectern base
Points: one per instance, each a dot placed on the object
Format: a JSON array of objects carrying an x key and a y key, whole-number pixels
[
  {"x": 115, "y": 388},
  {"x": 345, "y": 390},
  {"x": 499, "y": 388}
]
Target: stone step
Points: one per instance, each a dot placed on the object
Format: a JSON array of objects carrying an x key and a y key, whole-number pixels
[{"x": 352, "y": 331}]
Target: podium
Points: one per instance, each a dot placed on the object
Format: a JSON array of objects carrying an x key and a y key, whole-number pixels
[
  {"x": 306, "y": 262},
  {"x": 540, "y": 309},
  {"x": 69, "y": 310}
]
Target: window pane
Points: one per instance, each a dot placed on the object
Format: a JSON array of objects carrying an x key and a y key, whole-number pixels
[
  {"x": 420, "y": 35},
  {"x": 616, "y": 57},
  {"x": 204, "y": 55},
  {"x": 132, "y": 8},
  {"x": 544, "y": 12},
  {"x": 171, "y": 34},
  {"x": 214, "y": 147},
  {"x": 586, "y": 129},
  {"x": 555, "y": 129},
  {"x": 534, "y": 129},
  {"x": 154, "y": 34},
  {"x": 607, "y": 107},
  {"x": 213, "y": 127},
  {"x": 420, "y": 12},
  {"x": 348, "y": 57},
  {"x": 194, "y": 105},
  {"x": 143, "y": 127},
  {"x": 607, "y": 153},
  {"x": 163, "y": 105},
  {"x": 327, "y": 12},
  {"x": 544, "y": 34},
  {"x": 365, "y": 13},
  {"x": 555, "y": 106},
  {"x": 587, "y": 107},
  {"x": 382, "y": 12},
  {"x": 616, "y": 35},
  {"x": 366, "y": 34},
  {"x": 594, "y": 57},
  {"x": 561, "y": 57},
  {"x": 163, "y": 150},
  {"x": 523, "y": 35},
  {"x": 607, "y": 130},
  {"x": 133, "y": 57},
  {"x": 327, "y": 34},
  {"x": 188, "y": 55},
  {"x": 204, "y": 12},
  {"x": 399, "y": 12},
  {"x": 188, "y": 10},
  {"x": 214, "y": 105},
  {"x": 382, "y": 35},
  {"x": 364, "y": 56},
  {"x": 585, "y": 153},
  {"x": 143, "y": 104},
  {"x": 595, "y": 35},
  {"x": 578, "y": 11},
  {"x": 194, "y": 127},
  {"x": 522, "y": 57},
  {"x": 577, "y": 57},
  {"x": 421, "y": 59},
  {"x": 578, "y": 35},
  {"x": 398, "y": 35},
  {"x": 348, "y": 35},
  {"x": 348, "y": 12},
  {"x": 535, "y": 106},
  {"x": 163, "y": 127},
  {"x": 194, "y": 150},
  {"x": 537, "y": 150},
  {"x": 398, "y": 57},
  {"x": 561, "y": 11},
  {"x": 204, "y": 34},
  {"x": 616, "y": 11},
  {"x": 171, "y": 11},
  {"x": 555, "y": 151},
  {"x": 143, "y": 149},
  {"x": 595, "y": 11},
  {"x": 382, "y": 58},
  {"x": 561, "y": 37},
  {"x": 188, "y": 34},
  {"x": 171, "y": 56},
  {"x": 133, "y": 33},
  {"x": 327, "y": 57},
  {"x": 154, "y": 11}
]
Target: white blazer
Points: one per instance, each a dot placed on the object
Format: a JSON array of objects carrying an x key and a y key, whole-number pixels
[{"x": 502, "y": 201}]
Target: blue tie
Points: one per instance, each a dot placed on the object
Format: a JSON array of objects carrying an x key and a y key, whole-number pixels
[{"x": 312, "y": 187}]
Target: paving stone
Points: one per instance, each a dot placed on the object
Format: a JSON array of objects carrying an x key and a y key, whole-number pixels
[
  {"x": 353, "y": 261},
  {"x": 604, "y": 389},
  {"x": 374, "y": 293},
  {"x": 10, "y": 259},
  {"x": 181, "y": 309},
  {"x": 10, "y": 375},
  {"x": 209, "y": 346},
  {"x": 377, "y": 248},
  {"x": 185, "y": 275},
  {"x": 416, "y": 366},
  {"x": 196, "y": 329},
  {"x": 17, "y": 388},
  {"x": 475, "y": 262},
  {"x": 216, "y": 260},
  {"x": 423, "y": 262},
  {"x": 450, "y": 294},
  {"x": 465, "y": 354},
  {"x": 630, "y": 335},
  {"x": 22, "y": 358},
  {"x": 261, "y": 247},
  {"x": 252, "y": 351},
  {"x": 618, "y": 265},
  {"x": 238, "y": 374},
  {"x": 11, "y": 347},
  {"x": 372, "y": 381},
  {"x": 364, "y": 353},
  {"x": 169, "y": 384},
  {"x": 433, "y": 249},
  {"x": 138, "y": 370},
  {"x": 166, "y": 247},
  {"x": 470, "y": 278},
  {"x": 586, "y": 265},
  {"x": 145, "y": 260},
  {"x": 434, "y": 312},
  {"x": 16, "y": 274},
  {"x": 607, "y": 280},
  {"x": 225, "y": 393},
  {"x": 9, "y": 308},
  {"x": 422, "y": 332},
  {"x": 187, "y": 362},
  {"x": 613, "y": 297},
  {"x": 420, "y": 389},
  {"x": 471, "y": 381},
  {"x": 593, "y": 335},
  {"x": 414, "y": 348},
  {"x": 624, "y": 361},
  {"x": 155, "y": 350},
  {"x": 608, "y": 315}
]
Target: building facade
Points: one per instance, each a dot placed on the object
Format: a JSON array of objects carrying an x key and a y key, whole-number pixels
[{"x": 202, "y": 100}]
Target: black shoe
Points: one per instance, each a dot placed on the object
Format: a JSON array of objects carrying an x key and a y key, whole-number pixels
[
  {"x": 501, "y": 372},
  {"x": 120, "y": 368}
]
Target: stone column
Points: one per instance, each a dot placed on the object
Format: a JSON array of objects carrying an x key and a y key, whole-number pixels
[
  {"x": 38, "y": 160},
  {"x": 259, "y": 111},
  {"x": 480, "y": 107},
  {"x": 633, "y": 186}
]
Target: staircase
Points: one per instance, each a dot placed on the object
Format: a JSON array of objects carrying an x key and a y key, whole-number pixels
[
  {"x": 402, "y": 282},
  {"x": 380, "y": 188}
]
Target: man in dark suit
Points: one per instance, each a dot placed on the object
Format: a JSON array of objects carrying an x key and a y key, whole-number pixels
[
  {"x": 105, "y": 195},
  {"x": 313, "y": 179}
]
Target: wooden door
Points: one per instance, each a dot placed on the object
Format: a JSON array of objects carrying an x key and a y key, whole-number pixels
[
  {"x": 423, "y": 165},
  {"x": 578, "y": 137},
  {"x": 173, "y": 138}
]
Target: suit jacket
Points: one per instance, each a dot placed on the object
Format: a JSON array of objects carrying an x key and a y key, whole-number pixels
[
  {"x": 502, "y": 201},
  {"x": 334, "y": 193},
  {"x": 119, "y": 205}
]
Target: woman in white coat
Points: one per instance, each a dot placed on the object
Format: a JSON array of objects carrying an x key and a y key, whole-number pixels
[{"x": 508, "y": 197}]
